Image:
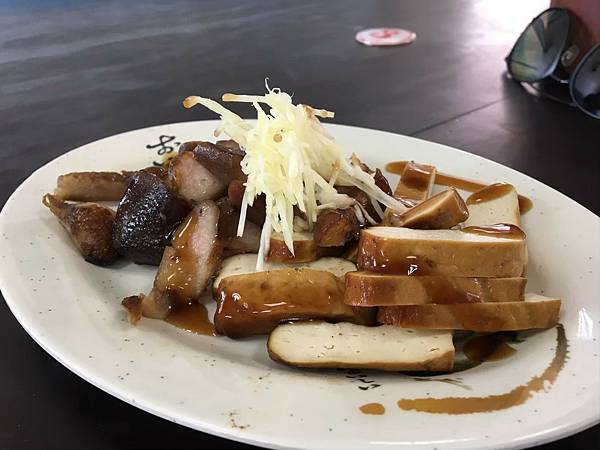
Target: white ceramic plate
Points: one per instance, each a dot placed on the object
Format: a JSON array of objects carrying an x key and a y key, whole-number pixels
[{"x": 232, "y": 389}]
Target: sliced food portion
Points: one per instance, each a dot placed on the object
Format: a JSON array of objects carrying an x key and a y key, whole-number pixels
[
  {"x": 416, "y": 182},
  {"x": 372, "y": 289},
  {"x": 147, "y": 215},
  {"x": 246, "y": 264},
  {"x": 90, "y": 227},
  {"x": 496, "y": 203},
  {"x": 222, "y": 159},
  {"x": 350, "y": 346},
  {"x": 227, "y": 231},
  {"x": 495, "y": 251},
  {"x": 256, "y": 303},
  {"x": 255, "y": 213},
  {"x": 186, "y": 266},
  {"x": 91, "y": 186},
  {"x": 196, "y": 255},
  {"x": 535, "y": 312},
  {"x": 193, "y": 181},
  {"x": 305, "y": 249},
  {"x": 336, "y": 227},
  {"x": 442, "y": 211}
]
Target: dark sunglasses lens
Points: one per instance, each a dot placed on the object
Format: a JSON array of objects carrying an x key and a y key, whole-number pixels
[
  {"x": 585, "y": 86},
  {"x": 539, "y": 47}
]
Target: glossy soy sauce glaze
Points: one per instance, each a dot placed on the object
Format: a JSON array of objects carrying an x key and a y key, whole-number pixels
[
  {"x": 257, "y": 304},
  {"x": 180, "y": 276},
  {"x": 497, "y": 190},
  {"x": 517, "y": 396},
  {"x": 490, "y": 192},
  {"x": 397, "y": 167},
  {"x": 500, "y": 230},
  {"x": 370, "y": 259},
  {"x": 192, "y": 317}
]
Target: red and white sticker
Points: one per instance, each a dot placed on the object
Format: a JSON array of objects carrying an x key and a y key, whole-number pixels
[{"x": 385, "y": 36}]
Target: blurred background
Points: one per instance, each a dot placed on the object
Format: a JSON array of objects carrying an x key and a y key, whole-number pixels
[{"x": 73, "y": 71}]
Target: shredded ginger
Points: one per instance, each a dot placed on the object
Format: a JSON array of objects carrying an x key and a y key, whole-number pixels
[{"x": 294, "y": 162}]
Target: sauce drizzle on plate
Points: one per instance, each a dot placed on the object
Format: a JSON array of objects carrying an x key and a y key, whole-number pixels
[
  {"x": 373, "y": 409},
  {"x": 192, "y": 318},
  {"x": 517, "y": 396}
]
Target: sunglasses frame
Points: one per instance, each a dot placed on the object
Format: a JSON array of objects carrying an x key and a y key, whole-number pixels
[
  {"x": 549, "y": 73},
  {"x": 554, "y": 64},
  {"x": 572, "y": 78}
]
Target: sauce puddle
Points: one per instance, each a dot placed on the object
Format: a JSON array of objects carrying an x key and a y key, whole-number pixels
[
  {"x": 192, "y": 318},
  {"x": 490, "y": 347},
  {"x": 525, "y": 204},
  {"x": 518, "y": 396},
  {"x": 376, "y": 409}
]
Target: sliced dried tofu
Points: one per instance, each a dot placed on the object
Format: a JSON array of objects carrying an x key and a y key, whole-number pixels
[{"x": 350, "y": 346}]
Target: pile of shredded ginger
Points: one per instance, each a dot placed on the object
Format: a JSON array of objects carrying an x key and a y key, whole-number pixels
[{"x": 294, "y": 162}]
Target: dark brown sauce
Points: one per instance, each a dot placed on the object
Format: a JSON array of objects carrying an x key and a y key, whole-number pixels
[
  {"x": 489, "y": 347},
  {"x": 372, "y": 259},
  {"x": 499, "y": 230},
  {"x": 525, "y": 204},
  {"x": 373, "y": 409},
  {"x": 497, "y": 190},
  {"x": 192, "y": 318},
  {"x": 517, "y": 396},
  {"x": 181, "y": 270},
  {"x": 490, "y": 192},
  {"x": 397, "y": 167}
]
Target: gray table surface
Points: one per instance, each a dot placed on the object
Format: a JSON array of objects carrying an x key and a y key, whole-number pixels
[{"x": 75, "y": 71}]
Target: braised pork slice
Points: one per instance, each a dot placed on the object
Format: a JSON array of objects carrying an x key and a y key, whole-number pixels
[
  {"x": 361, "y": 198},
  {"x": 161, "y": 172},
  {"x": 231, "y": 145},
  {"x": 195, "y": 254},
  {"x": 91, "y": 186},
  {"x": 223, "y": 161},
  {"x": 382, "y": 182},
  {"x": 336, "y": 227},
  {"x": 186, "y": 266},
  {"x": 193, "y": 181},
  {"x": 256, "y": 212},
  {"x": 90, "y": 227},
  {"x": 147, "y": 215},
  {"x": 233, "y": 244}
]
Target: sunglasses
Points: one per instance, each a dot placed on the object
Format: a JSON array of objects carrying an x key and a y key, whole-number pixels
[{"x": 538, "y": 51}]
